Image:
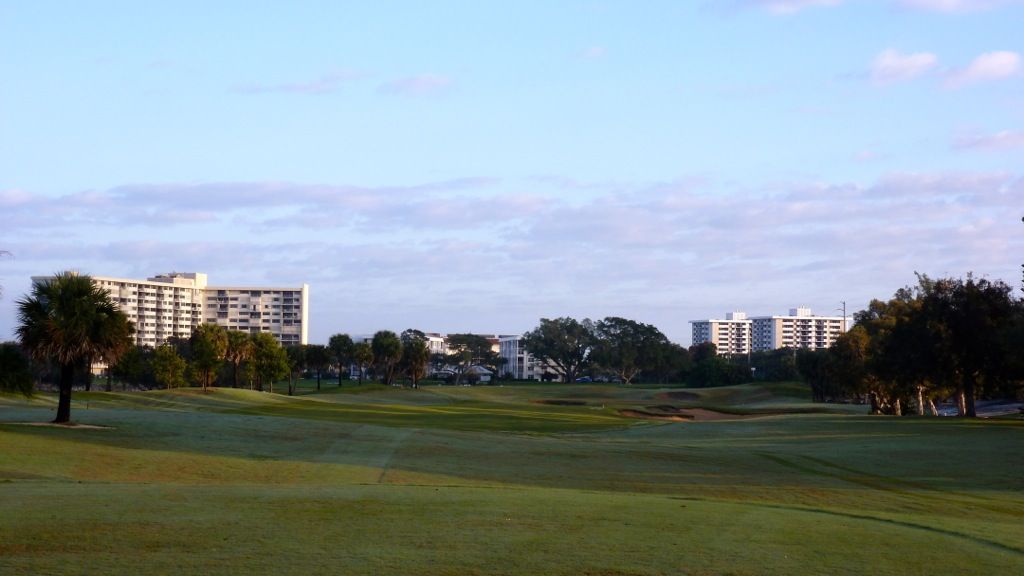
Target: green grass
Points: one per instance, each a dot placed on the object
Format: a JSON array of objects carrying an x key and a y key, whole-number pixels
[{"x": 486, "y": 480}]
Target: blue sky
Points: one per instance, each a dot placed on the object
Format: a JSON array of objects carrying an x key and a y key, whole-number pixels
[{"x": 470, "y": 166}]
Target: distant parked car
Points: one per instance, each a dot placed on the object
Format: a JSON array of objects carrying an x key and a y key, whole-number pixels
[{"x": 584, "y": 379}]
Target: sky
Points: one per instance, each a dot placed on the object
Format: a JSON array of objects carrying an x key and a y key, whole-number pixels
[{"x": 465, "y": 166}]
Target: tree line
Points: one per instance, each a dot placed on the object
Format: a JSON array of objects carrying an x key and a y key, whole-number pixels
[
  {"x": 948, "y": 338},
  {"x": 627, "y": 351}
]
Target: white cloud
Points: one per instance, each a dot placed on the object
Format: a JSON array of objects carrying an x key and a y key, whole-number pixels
[
  {"x": 956, "y": 6},
  {"x": 946, "y": 6},
  {"x": 593, "y": 52},
  {"x": 1001, "y": 140},
  {"x": 419, "y": 85},
  {"x": 322, "y": 85},
  {"x": 892, "y": 66},
  {"x": 791, "y": 6},
  {"x": 996, "y": 65}
]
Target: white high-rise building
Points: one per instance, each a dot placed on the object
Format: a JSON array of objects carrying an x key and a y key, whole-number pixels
[
  {"x": 172, "y": 305},
  {"x": 800, "y": 329},
  {"x": 730, "y": 336},
  {"x": 738, "y": 334}
]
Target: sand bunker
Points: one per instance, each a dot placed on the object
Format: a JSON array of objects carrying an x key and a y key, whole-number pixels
[
  {"x": 630, "y": 413},
  {"x": 678, "y": 395},
  {"x": 675, "y": 414},
  {"x": 560, "y": 402}
]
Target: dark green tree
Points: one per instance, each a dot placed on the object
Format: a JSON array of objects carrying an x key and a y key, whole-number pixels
[
  {"x": 318, "y": 359},
  {"x": 15, "y": 369},
  {"x": 672, "y": 364}
]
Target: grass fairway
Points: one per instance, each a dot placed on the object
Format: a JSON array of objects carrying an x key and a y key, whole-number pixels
[{"x": 502, "y": 480}]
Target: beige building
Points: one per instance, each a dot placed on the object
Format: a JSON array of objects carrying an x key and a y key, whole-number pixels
[
  {"x": 170, "y": 305},
  {"x": 730, "y": 336}
]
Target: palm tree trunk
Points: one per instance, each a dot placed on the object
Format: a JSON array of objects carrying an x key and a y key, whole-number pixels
[{"x": 67, "y": 378}]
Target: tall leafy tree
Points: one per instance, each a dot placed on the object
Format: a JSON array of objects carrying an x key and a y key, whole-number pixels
[
  {"x": 626, "y": 347},
  {"x": 239, "y": 350},
  {"x": 341, "y": 346},
  {"x": 209, "y": 346},
  {"x": 563, "y": 342},
  {"x": 122, "y": 333},
  {"x": 269, "y": 360},
  {"x": 168, "y": 366},
  {"x": 318, "y": 358},
  {"x": 970, "y": 317},
  {"x": 131, "y": 366},
  {"x": 69, "y": 320},
  {"x": 387, "y": 351},
  {"x": 672, "y": 364},
  {"x": 362, "y": 355},
  {"x": 296, "y": 364}
]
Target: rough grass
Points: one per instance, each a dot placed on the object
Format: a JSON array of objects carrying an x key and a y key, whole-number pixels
[{"x": 485, "y": 480}]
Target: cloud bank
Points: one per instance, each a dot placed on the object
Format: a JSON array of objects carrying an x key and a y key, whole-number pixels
[{"x": 495, "y": 255}]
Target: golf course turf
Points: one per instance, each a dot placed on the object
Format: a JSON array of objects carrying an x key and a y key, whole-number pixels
[{"x": 531, "y": 479}]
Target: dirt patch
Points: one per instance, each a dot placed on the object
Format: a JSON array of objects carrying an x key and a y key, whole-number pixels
[
  {"x": 678, "y": 395},
  {"x": 629, "y": 413},
  {"x": 560, "y": 402},
  {"x": 70, "y": 425}
]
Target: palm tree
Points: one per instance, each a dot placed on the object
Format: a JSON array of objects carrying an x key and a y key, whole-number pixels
[
  {"x": 239, "y": 350},
  {"x": 69, "y": 320}
]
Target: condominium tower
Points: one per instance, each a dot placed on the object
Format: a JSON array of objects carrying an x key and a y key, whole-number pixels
[{"x": 172, "y": 305}]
